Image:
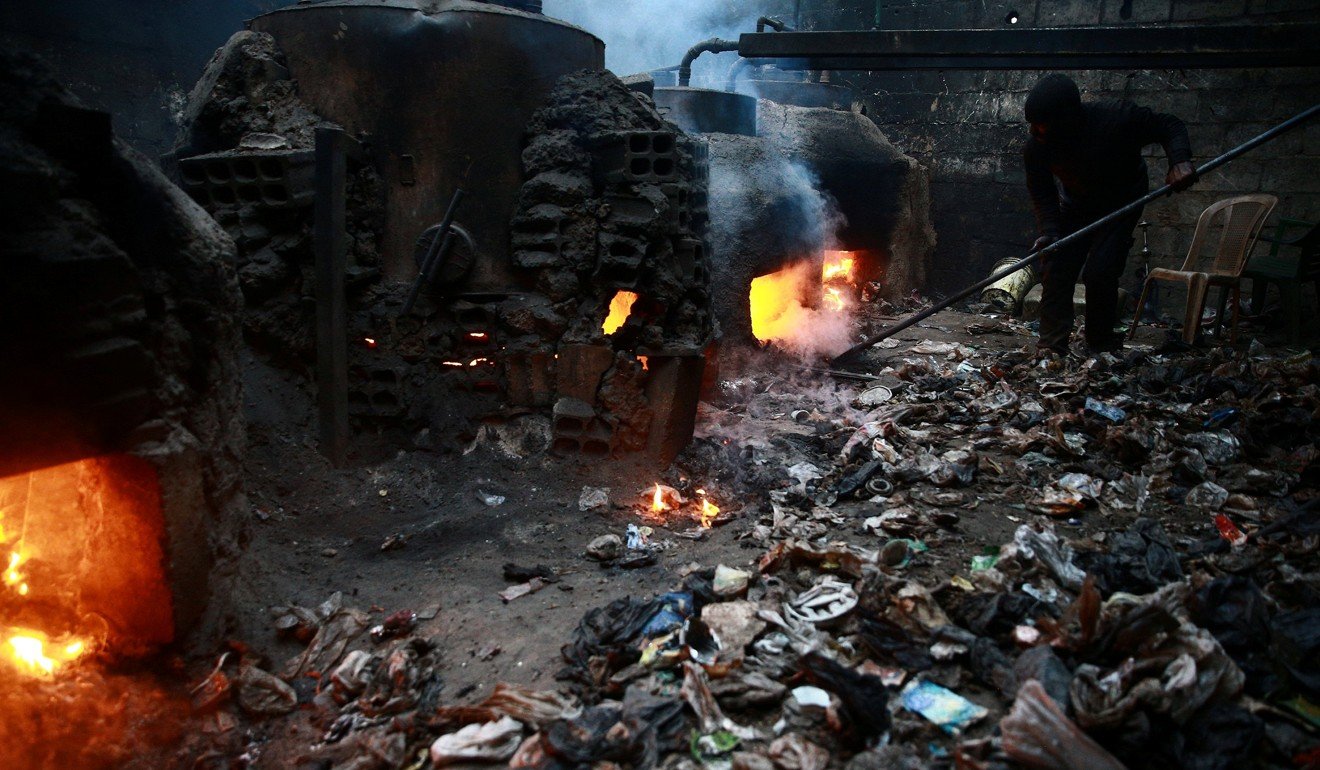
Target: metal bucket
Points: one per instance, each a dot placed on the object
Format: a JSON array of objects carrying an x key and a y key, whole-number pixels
[{"x": 1006, "y": 294}]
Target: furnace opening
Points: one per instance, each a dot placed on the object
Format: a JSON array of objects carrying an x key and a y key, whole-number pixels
[
  {"x": 85, "y": 567},
  {"x": 806, "y": 308}
]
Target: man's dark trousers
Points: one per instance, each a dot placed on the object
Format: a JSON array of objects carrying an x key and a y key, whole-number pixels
[{"x": 1099, "y": 258}]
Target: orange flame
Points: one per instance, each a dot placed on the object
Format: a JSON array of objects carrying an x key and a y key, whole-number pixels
[
  {"x": 833, "y": 299},
  {"x": 28, "y": 650},
  {"x": 708, "y": 510},
  {"x": 14, "y": 578},
  {"x": 776, "y": 302},
  {"x": 620, "y": 309},
  {"x": 839, "y": 266},
  {"x": 658, "y": 503},
  {"x": 644, "y": 361},
  {"x": 60, "y": 519}
]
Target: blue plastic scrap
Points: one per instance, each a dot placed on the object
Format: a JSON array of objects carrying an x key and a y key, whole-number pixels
[
  {"x": 675, "y": 607},
  {"x": 944, "y": 707}
]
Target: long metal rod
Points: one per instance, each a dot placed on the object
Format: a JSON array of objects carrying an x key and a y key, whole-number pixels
[
  {"x": 1136, "y": 205},
  {"x": 1113, "y": 47}
]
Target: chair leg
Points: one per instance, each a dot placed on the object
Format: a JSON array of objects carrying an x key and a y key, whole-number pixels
[
  {"x": 1237, "y": 311},
  {"x": 1259, "y": 288},
  {"x": 1141, "y": 305},
  {"x": 1219, "y": 310},
  {"x": 1290, "y": 296},
  {"x": 1196, "y": 291}
]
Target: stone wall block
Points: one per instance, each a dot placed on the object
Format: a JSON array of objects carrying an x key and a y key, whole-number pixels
[
  {"x": 1285, "y": 174},
  {"x": 1207, "y": 10}
]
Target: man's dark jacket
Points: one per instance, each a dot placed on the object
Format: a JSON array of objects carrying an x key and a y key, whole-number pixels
[{"x": 1099, "y": 164}]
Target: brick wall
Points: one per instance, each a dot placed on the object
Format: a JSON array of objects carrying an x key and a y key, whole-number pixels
[{"x": 967, "y": 127}]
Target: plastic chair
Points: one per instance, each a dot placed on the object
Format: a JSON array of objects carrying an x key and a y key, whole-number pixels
[
  {"x": 1288, "y": 274},
  {"x": 1240, "y": 223}
]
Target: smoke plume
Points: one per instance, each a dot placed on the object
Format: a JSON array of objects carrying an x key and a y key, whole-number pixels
[{"x": 642, "y": 35}]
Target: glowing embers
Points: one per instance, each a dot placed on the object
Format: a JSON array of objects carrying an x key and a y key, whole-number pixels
[
  {"x": 838, "y": 280},
  {"x": 804, "y": 311},
  {"x": 620, "y": 309},
  {"x": 84, "y": 564}
]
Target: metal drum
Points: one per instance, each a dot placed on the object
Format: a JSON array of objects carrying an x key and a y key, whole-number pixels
[
  {"x": 703, "y": 111},
  {"x": 432, "y": 90}
]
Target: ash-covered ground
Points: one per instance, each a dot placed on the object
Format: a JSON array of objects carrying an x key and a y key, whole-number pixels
[{"x": 910, "y": 549}]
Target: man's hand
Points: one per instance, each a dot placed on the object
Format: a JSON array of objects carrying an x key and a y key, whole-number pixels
[
  {"x": 1042, "y": 242},
  {"x": 1181, "y": 176}
]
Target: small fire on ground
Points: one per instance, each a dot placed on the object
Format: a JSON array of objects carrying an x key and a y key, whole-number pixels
[
  {"x": 804, "y": 311},
  {"x": 665, "y": 499}
]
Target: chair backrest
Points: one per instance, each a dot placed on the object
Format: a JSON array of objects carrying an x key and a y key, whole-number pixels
[{"x": 1237, "y": 228}]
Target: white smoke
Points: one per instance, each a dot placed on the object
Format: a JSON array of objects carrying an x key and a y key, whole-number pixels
[
  {"x": 642, "y": 35},
  {"x": 764, "y": 203}
]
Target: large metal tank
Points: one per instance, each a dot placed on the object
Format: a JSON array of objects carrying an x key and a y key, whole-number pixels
[
  {"x": 432, "y": 89},
  {"x": 705, "y": 111}
]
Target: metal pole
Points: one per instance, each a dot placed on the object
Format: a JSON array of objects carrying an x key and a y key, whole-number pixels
[
  {"x": 331, "y": 249},
  {"x": 1241, "y": 149}
]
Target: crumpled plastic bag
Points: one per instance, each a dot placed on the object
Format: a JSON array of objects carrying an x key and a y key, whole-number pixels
[
  {"x": 262, "y": 694},
  {"x": 534, "y": 707},
  {"x": 339, "y": 626},
  {"x": 1173, "y": 673},
  {"x": 1045, "y": 546},
  {"x": 794, "y": 752},
  {"x": 489, "y": 742},
  {"x": 1139, "y": 560},
  {"x": 1037, "y": 734},
  {"x": 863, "y": 697}
]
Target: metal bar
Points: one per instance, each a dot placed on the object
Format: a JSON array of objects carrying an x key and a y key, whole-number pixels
[
  {"x": 1205, "y": 168},
  {"x": 331, "y": 247},
  {"x": 1166, "y": 47}
]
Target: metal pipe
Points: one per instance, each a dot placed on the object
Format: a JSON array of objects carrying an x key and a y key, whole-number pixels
[
  {"x": 737, "y": 69},
  {"x": 741, "y": 65},
  {"x": 714, "y": 45},
  {"x": 1136, "y": 205}
]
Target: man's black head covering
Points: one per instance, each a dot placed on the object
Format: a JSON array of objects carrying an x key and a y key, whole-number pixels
[{"x": 1055, "y": 99}]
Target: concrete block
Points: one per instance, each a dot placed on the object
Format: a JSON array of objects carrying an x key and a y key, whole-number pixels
[
  {"x": 579, "y": 369},
  {"x": 1056, "y": 14},
  {"x": 529, "y": 378},
  {"x": 1292, "y": 175},
  {"x": 673, "y": 390},
  {"x": 1142, "y": 13},
  {"x": 1206, "y": 10}
]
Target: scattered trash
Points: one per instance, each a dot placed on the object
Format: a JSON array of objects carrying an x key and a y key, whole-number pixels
[
  {"x": 1107, "y": 411},
  {"x": 1229, "y": 531},
  {"x": 1038, "y": 734},
  {"x": 605, "y": 548},
  {"x": 262, "y": 694},
  {"x": 729, "y": 582},
  {"x": 396, "y": 625},
  {"x": 594, "y": 499},
  {"x": 522, "y": 589},
  {"x": 490, "y": 742},
  {"x": 945, "y": 708},
  {"x": 494, "y": 501}
]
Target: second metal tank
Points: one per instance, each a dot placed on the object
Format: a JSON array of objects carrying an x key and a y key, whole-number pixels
[{"x": 433, "y": 87}]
